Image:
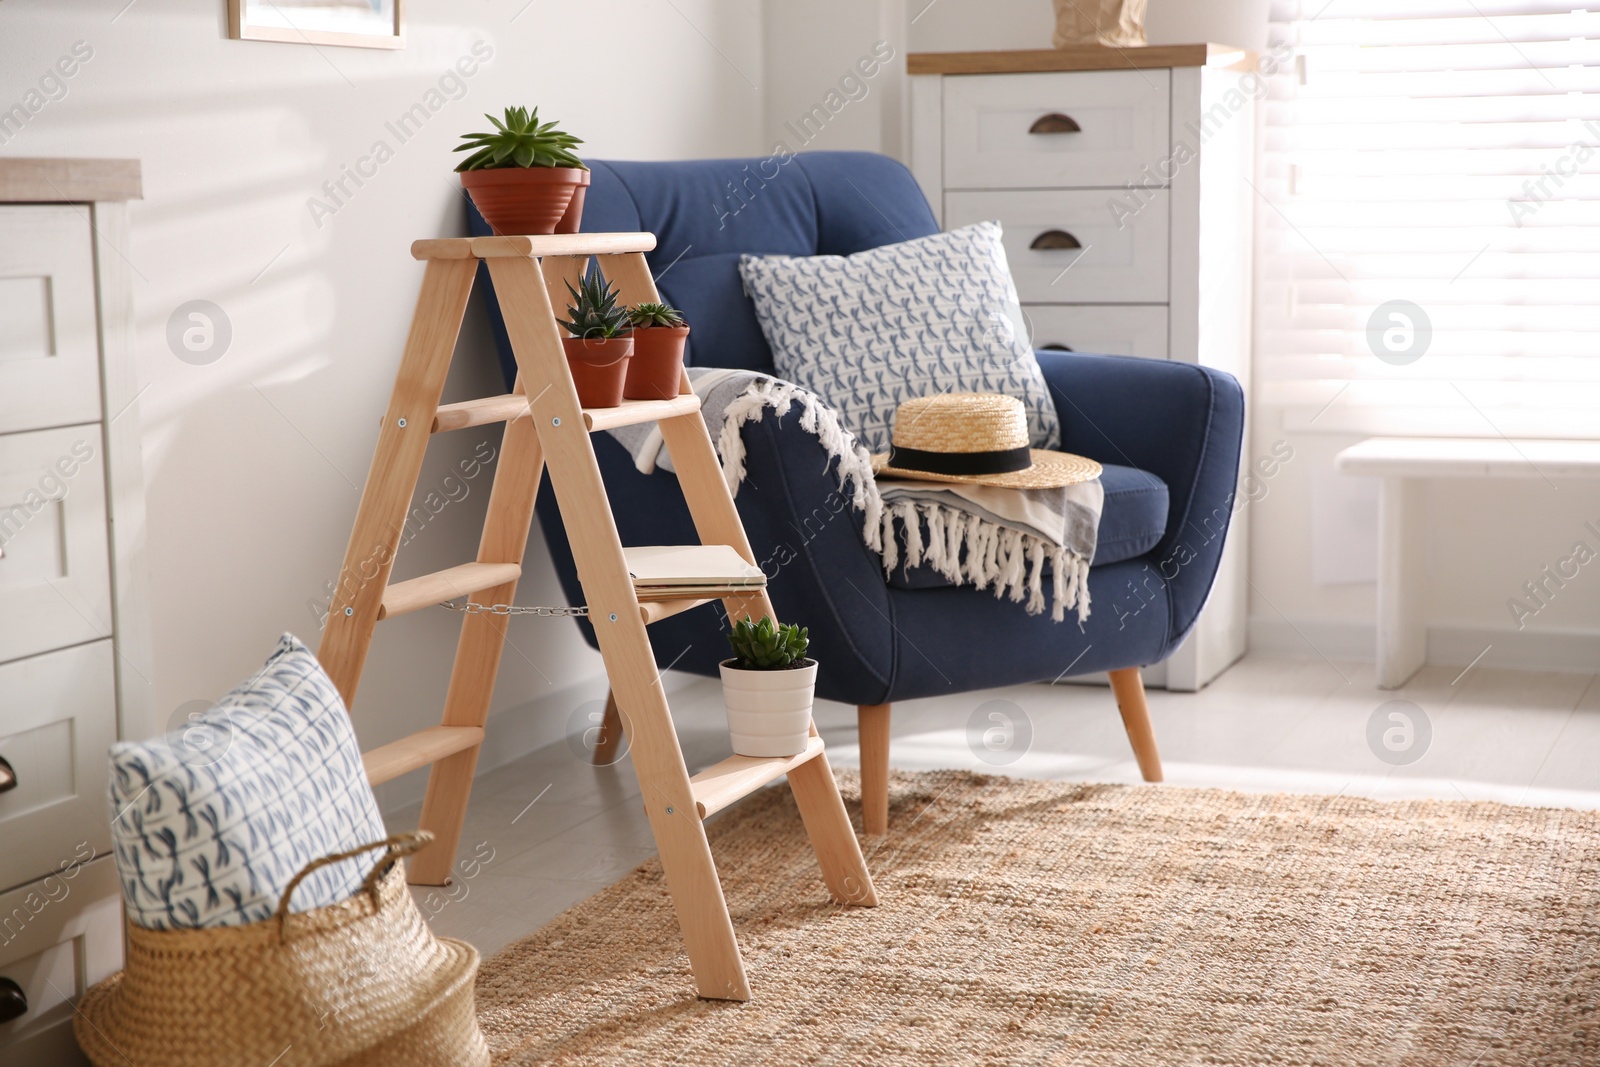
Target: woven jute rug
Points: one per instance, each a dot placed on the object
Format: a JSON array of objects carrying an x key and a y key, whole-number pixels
[{"x": 1040, "y": 922}]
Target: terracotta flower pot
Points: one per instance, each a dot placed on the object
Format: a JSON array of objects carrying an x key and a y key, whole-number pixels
[
  {"x": 599, "y": 368},
  {"x": 525, "y": 200},
  {"x": 769, "y": 712},
  {"x": 574, "y": 217},
  {"x": 656, "y": 369}
]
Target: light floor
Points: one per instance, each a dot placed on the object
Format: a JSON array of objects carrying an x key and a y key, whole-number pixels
[{"x": 550, "y": 829}]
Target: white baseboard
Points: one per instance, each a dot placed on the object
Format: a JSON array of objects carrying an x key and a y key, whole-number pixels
[{"x": 1448, "y": 646}]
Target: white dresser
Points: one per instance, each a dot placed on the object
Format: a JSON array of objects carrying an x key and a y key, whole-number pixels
[
  {"x": 74, "y": 642},
  {"x": 1121, "y": 177}
]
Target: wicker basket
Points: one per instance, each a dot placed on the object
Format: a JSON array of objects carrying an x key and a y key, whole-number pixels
[{"x": 361, "y": 982}]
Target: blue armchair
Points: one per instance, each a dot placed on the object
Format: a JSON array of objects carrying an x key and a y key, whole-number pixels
[{"x": 1168, "y": 434}]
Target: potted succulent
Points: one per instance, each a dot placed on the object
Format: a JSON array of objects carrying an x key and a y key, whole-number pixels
[
  {"x": 768, "y": 687},
  {"x": 524, "y": 176},
  {"x": 598, "y": 350},
  {"x": 659, "y": 336}
]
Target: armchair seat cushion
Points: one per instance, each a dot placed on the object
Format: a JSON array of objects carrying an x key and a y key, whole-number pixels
[{"x": 1133, "y": 522}]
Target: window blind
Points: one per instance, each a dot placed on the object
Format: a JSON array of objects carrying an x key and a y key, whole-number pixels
[{"x": 1429, "y": 218}]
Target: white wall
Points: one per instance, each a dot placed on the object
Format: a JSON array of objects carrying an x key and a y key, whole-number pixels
[
  {"x": 813, "y": 49},
  {"x": 255, "y": 462}
]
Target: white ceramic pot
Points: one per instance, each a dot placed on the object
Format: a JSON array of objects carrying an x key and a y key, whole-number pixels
[{"x": 769, "y": 712}]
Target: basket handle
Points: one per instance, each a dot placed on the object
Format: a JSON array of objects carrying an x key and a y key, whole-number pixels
[{"x": 395, "y": 847}]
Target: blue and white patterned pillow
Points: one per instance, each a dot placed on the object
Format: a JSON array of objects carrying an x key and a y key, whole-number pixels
[
  {"x": 210, "y": 822},
  {"x": 933, "y": 315}
]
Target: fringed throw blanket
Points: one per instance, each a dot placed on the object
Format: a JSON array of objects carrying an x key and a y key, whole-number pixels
[{"x": 1000, "y": 539}]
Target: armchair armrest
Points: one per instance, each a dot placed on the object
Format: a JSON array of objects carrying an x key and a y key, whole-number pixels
[
  {"x": 807, "y": 538},
  {"x": 1181, "y": 422}
]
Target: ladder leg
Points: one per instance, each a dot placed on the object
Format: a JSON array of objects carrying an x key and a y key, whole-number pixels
[
  {"x": 716, "y": 520},
  {"x": 614, "y": 610},
  {"x": 605, "y": 747},
  {"x": 479, "y": 649},
  {"x": 681, "y": 840},
  {"x": 834, "y": 839},
  {"x": 392, "y": 478}
]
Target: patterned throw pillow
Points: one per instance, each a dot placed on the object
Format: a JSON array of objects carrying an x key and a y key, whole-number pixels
[
  {"x": 937, "y": 314},
  {"x": 210, "y": 822}
]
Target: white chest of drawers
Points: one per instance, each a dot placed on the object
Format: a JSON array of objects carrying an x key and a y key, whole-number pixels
[
  {"x": 74, "y": 643},
  {"x": 1122, "y": 179}
]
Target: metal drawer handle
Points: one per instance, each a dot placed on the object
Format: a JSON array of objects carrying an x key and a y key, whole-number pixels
[
  {"x": 1055, "y": 239},
  {"x": 1054, "y": 346},
  {"x": 1055, "y": 122},
  {"x": 8, "y": 777},
  {"x": 13, "y": 1001}
]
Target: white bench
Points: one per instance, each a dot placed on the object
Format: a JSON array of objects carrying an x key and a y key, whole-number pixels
[{"x": 1404, "y": 463}]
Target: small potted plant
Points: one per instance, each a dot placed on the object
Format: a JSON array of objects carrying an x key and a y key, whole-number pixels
[
  {"x": 768, "y": 687},
  {"x": 659, "y": 336},
  {"x": 601, "y": 342},
  {"x": 524, "y": 177}
]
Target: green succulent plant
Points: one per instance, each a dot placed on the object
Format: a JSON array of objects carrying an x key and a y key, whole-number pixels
[
  {"x": 519, "y": 141},
  {"x": 652, "y": 313},
  {"x": 594, "y": 310},
  {"x": 761, "y": 646}
]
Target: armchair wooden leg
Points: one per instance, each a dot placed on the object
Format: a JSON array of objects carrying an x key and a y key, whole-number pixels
[
  {"x": 1129, "y": 689},
  {"x": 872, "y": 724},
  {"x": 605, "y": 747}
]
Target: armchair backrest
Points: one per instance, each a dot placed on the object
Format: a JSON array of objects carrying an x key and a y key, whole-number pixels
[{"x": 706, "y": 213}]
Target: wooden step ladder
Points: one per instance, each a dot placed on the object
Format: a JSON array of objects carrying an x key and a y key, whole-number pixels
[{"x": 546, "y": 427}]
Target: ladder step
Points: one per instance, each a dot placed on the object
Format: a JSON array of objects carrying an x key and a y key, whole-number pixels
[
  {"x": 738, "y": 776},
  {"x": 656, "y": 610},
  {"x": 390, "y": 761},
  {"x": 535, "y": 245},
  {"x": 508, "y": 406},
  {"x": 482, "y": 412},
  {"x": 436, "y": 588},
  {"x": 630, "y": 412}
]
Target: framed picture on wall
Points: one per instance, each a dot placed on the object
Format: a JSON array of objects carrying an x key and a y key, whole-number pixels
[{"x": 355, "y": 23}]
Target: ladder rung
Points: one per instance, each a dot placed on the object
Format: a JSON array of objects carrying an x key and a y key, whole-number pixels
[
  {"x": 480, "y": 412},
  {"x": 738, "y": 776},
  {"x": 656, "y": 610},
  {"x": 521, "y": 247},
  {"x": 390, "y": 761},
  {"x": 506, "y": 406},
  {"x": 436, "y": 588},
  {"x": 633, "y": 411}
]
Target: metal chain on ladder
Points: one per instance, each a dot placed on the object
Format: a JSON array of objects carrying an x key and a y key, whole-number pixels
[{"x": 472, "y": 607}]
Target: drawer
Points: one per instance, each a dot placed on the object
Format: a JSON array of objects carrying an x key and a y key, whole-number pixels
[
  {"x": 1109, "y": 329},
  {"x": 1113, "y": 264},
  {"x": 58, "y": 936},
  {"x": 989, "y": 119},
  {"x": 55, "y": 574},
  {"x": 49, "y": 347},
  {"x": 58, "y": 717}
]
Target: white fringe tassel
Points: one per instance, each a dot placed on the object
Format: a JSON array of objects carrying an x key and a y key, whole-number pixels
[{"x": 962, "y": 547}]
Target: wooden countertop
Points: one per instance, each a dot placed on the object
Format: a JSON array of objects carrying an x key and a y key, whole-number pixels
[
  {"x": 69, "y": 180},
  {"x": 1080, "y": 57}
]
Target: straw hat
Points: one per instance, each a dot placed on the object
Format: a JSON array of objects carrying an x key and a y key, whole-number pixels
[{"x": 974, "y": 439}]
